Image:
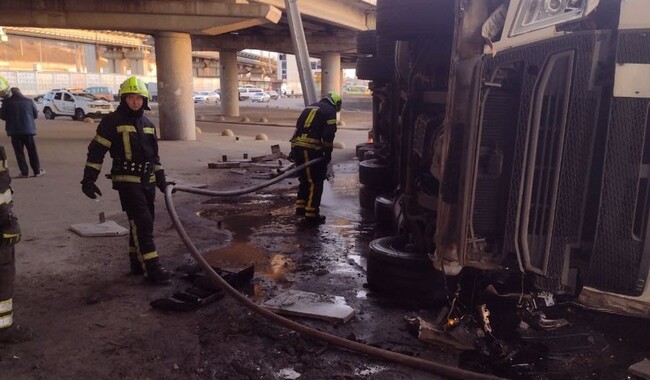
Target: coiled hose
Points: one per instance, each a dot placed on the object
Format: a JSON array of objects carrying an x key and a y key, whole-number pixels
[{"x": 433, "y": 367}]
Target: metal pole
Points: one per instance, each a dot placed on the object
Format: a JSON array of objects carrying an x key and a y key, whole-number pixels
[{"x": 302, "y": 54}]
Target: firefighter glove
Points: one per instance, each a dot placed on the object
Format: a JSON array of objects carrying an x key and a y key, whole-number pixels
[{"x": 90, "y": 189}]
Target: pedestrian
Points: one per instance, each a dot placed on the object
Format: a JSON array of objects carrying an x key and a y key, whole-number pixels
[
  {"x": 19, "y": 113},
  {"x": 9, "y": 331},
  {"x": 314, "y": 138},
  {"x": 130, "y": 137}
]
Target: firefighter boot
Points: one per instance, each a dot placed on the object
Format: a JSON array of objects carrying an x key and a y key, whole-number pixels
[
  {"x": 15, "y": 334},
  {"x": 157, "y": 274},
  {"x": 314, "y": 220},
  {"x": 136, "y": 266}
]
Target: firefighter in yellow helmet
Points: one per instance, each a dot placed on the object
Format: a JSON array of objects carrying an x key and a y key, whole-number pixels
[
  {"x": 4, "y": 88},
  {"x": 130, "y": 138},
  {"x": 314, "y": 138},
  {"x": 9, "y": 236}
]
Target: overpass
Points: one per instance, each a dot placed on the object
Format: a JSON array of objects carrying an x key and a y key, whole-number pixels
[{"x": 209, "y": 25}]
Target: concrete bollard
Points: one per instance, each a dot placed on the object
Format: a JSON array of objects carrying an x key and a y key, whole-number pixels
[
  {"x": 227, "y": 132},
  {"x": 262, "y": 136}
]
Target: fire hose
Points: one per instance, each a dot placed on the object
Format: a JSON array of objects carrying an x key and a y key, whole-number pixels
[{"x": 430, "y": 366}]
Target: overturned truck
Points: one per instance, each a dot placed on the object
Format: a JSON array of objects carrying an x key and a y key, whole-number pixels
[{"x": 510, "y": 138}]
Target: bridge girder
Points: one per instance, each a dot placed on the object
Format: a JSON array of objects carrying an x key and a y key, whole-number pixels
[{"x": 188, "y": 16}]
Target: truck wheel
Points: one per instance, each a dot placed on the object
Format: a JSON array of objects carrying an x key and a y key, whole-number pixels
[
  {"x": 383, "y": 210},
  {"x": 367, "y": 42},
  {"x": 79, "y": 114},
  {"x": 406, "y": 19},
  {"x": 378, "y": 69},
  {"x": 394, "y": 270},
  {"x": 47, "y": 112},
  {"x": 374, "y": 174},
  {"x": 367, "y": 197}
]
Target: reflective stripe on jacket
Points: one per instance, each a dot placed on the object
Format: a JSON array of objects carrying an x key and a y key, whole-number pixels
[
  {"x": 130, "y": 138},
  {"x": 316, "y": 127}
]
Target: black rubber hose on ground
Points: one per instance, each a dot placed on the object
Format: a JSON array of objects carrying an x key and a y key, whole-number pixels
[{"x": 430, "y": 366}]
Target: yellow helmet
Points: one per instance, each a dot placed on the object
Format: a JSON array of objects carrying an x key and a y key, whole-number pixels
[
  {"x": 4, "y": 87},
  {"x": 134, "y": 85},
  {"x": 335, "y": 99}
]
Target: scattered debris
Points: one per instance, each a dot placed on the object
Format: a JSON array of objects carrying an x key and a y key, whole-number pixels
[
  {"x": 107, "y": 228},
  {"x": 275, "y": 154},
  {"x": 332, "y": 309},
  {"x": 203, "y": 291},
  {"x": 640, "y": 369},
  {"x": 458, "y": 338},
  {"x": 288, "y": 373}
]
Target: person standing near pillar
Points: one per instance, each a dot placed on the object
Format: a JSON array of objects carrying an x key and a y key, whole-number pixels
[
  {"x": 19, "y": 113},
  {"x": 9, "y": 331},
  {"x": 312, "y": 139},
  {"x": 131, "y": 139}
]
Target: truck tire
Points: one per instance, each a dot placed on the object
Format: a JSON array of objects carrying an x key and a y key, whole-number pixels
[
  {"x": 407, "y": 19},
  {"x": 395, "y": 271},
  {"x": 383, "y": 210},
  {"x": 47, "y": 112},
  {"x": 367, "y": 42},
  {"x": 367, "y": 197},
  {"x": 379, "y": 69},
  {"x": 374, "y": 174}
]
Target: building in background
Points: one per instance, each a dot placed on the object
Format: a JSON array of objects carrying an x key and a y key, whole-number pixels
[{"x": 38, "y": 60}]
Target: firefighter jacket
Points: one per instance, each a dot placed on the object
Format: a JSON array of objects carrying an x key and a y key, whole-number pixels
[
  {"x": 131, "y": 140},
  {"x": 316, "y": 127},
  {"x": 8, "y": 223}
]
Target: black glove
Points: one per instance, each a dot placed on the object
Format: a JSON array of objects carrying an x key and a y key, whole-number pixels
[
  {"x": 90, "y": 189},
  {"x": 291, "y": 157},
  {"x": 327, "y": 157}
]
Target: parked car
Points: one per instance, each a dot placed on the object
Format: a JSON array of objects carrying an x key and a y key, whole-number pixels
[
  {"x": 206, "y": 97},
  {"x": 76, "y": 104},
  {"x": 246, "y": 93},
  {"x": 101, "y": 92},
  {"x": 152, "y": 87},
  {"x": 260, "y": 97},
  {"x": 273, "y": 94}
]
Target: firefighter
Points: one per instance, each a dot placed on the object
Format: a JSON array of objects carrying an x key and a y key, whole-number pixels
[
  {"x": 314, "y": 138},
  {"x": 130, "y": 138},
  {"x": 9, "y": 332}
]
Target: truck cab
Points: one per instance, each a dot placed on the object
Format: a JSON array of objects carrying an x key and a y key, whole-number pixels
[{"x": 514, "y": 136}]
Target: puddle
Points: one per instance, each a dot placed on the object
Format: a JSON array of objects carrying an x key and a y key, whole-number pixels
[{"x": 264, "y": 232}]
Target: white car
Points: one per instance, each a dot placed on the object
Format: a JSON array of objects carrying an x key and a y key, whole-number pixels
[
  {"x": 246, "y": 93},
  {"x": 206, "y": 97},
  {"x": 76, "y": 104},
  {"x": 260, "y": 97}
]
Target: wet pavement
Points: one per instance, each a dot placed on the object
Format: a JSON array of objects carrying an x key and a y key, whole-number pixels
[{"x": 331, "y": 259}]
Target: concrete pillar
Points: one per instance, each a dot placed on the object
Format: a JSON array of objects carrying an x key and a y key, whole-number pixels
[
  {"x": 229, "y": 85},
  {"x": 330, "y": 73},
  {"x": 175, "y": 102}
]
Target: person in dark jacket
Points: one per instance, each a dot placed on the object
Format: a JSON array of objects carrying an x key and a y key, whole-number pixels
[
  {"x": 130, "y": 138},
  {"x": 19, "y": 113},
  {"x": 10, "y": 230},
  {"x": 312, "y": 139}
]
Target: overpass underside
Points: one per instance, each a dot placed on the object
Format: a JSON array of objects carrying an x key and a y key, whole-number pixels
[{"x": 181, "y": 26}]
